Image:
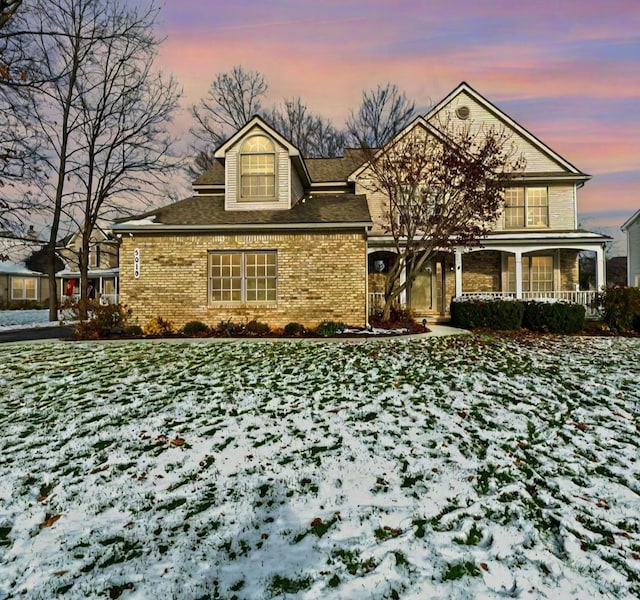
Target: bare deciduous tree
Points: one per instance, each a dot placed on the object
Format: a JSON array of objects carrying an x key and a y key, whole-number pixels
[
  {"x": 383, "y": 113},
  {"x": 443, "y": 187},
  {"x": 235, "y": 97},
  {"x": 8, "y": 9},
  {"x": 313, "y": 135},
  {"x": 102, "y": 113},
  {"x": 231, "y": 100}
]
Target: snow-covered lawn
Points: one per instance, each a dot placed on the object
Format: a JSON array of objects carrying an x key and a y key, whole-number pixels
[{"x": 458, "y": 467}]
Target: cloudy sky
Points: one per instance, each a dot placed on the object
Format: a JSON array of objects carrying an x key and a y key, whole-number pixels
[{"x": 567, "y": 70}]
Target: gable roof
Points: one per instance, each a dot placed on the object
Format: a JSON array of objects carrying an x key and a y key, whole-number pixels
[
  {"x": 464, "y": 87},
  {"x": 207, "y": 213},
  {"x": 257, "y": 121},
  {"x": 419, "y": 121},
  {"x": 631, "y": 220}
]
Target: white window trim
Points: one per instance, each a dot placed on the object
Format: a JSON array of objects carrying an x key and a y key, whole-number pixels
[
  {"x": 24, "y": 287},
  {"x": 525, "y": 224},
  {"x": 241, "y": 153},
  {"x": 243, "y": 279}
]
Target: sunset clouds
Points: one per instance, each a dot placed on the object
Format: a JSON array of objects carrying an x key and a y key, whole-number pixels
[{"x": 566, "y": 70}]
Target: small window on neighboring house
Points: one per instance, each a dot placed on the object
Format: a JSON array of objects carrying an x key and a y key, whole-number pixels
[
  {"x": 94, "y": 256},
  {"x": 242, "y": 276},
  {"x": 526, "y": 207},
  {"x": 24, "y": 288},
  {"x": 257, "y": 168},
  {"x": 537, "y": 273}
]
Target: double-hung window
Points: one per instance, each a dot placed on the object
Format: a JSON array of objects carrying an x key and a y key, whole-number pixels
[
  {"x": 24, "y": 288},
  {"x": 242, "y": 276},
  {"x": 257, "y": 168},
  {"x": 537, "y": 273},
  {"x": 526, "y": 207}
]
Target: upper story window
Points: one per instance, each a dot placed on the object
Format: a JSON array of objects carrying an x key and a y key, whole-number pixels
[
  {"x": 94, "y": 256},
  {"x": 257, "y": 168},
  {"x": 526, "y": 207}
]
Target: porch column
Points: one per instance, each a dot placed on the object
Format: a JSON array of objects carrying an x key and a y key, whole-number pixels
[
  {"x": 403, "y": 293},
  {"x": 458, "y": 271},
  {"x": 518, "y": 260},
  {"x": 601, "y": 278}
]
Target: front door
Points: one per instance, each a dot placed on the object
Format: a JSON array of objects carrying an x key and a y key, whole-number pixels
[{"x": 429, "y": 290}]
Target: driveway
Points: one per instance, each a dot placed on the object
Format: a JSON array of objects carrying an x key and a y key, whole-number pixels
[{"x": 36, "y": 333}]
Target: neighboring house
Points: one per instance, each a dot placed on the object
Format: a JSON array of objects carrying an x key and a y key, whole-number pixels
[
  {"x": 270, "y": 235},
  {"x": 20, "y": 285},
  {"x": 632, "y": 228},
  {"x": 103, "y": 267}
]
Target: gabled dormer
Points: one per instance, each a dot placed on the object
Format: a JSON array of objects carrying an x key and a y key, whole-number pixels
[{"x": 262, "y": 170}]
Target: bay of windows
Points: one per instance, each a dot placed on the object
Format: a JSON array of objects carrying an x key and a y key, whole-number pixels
[
  {"x": 526, "y": 207},
  {"x": 257, "y": 168},
  {"x": 242, "y": 276}
]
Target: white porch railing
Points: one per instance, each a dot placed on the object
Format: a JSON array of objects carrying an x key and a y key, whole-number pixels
[
  {"x": 102, "y": 298},
  {"x": 585, "y": 297},
  {"x": 376, "y": 302}
]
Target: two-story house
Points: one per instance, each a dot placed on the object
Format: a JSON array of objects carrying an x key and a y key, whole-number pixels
[
  {"x": 273, "y": 236},
  {"x": 632, "y": 229},
  {"x": 102, "y": 277}
]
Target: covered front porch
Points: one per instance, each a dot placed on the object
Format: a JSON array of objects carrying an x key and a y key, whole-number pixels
[{"x": 547, "y": 269}]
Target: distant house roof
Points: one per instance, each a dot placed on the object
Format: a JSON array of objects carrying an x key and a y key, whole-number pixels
[
  {"x": 207, "y": 212},
  {"x": 11, "y": 268},
  {"x": 631, "y": 220}
]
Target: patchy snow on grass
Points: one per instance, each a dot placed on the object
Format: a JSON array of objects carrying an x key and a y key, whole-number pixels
[
  {"x": 15, "y": 319},
  {"x": 32, "y": 318},
  {"x": 458, "y": 467}
]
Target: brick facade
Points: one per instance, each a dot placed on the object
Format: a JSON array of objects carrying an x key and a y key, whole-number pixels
[
  {"x": 320, "y": 276},
  {"x": 482, "y": 271},
  {"x": 569, "y": 272}
]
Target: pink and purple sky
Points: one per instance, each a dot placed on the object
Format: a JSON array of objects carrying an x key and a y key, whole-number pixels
[{"x": 566, "y": 70}]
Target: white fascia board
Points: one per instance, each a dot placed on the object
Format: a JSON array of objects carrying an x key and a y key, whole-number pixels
[
  {"x": 630, "y": 221},
  {"x": 234, "y": 227}
]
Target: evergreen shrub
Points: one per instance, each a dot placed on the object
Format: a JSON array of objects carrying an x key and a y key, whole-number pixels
[
  {"x": 553, "y": 317},
  {"x": 489, "y": 314}
]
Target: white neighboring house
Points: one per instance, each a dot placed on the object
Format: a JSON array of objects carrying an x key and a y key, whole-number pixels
[{"x": 632, "y": 228}]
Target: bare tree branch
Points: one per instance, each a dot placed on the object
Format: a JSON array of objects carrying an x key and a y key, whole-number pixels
[
  {"x": 443, "y": 187},
  {"x": 383, "y": 113}
]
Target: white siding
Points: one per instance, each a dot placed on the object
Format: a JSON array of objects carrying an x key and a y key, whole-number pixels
[
  {"x": 633, "y": 242},
  {"x": 561, "y": 207},
  {"x": 232, "y": 179},
  {"x": 479, "y": 117},
  {"x": 297, "y": 189}
]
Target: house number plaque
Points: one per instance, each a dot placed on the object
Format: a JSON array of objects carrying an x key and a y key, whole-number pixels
[{"x": 136, "y": 263}]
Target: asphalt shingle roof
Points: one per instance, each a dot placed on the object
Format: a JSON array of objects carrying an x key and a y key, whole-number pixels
[
  {"x": 320, "y": 169},
  {"x": 204, "y": 210}
]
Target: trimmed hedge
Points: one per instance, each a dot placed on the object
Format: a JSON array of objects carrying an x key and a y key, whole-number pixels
[
  {"x": 552, "y": 317},
  {"x": 488, "y": 314}
]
